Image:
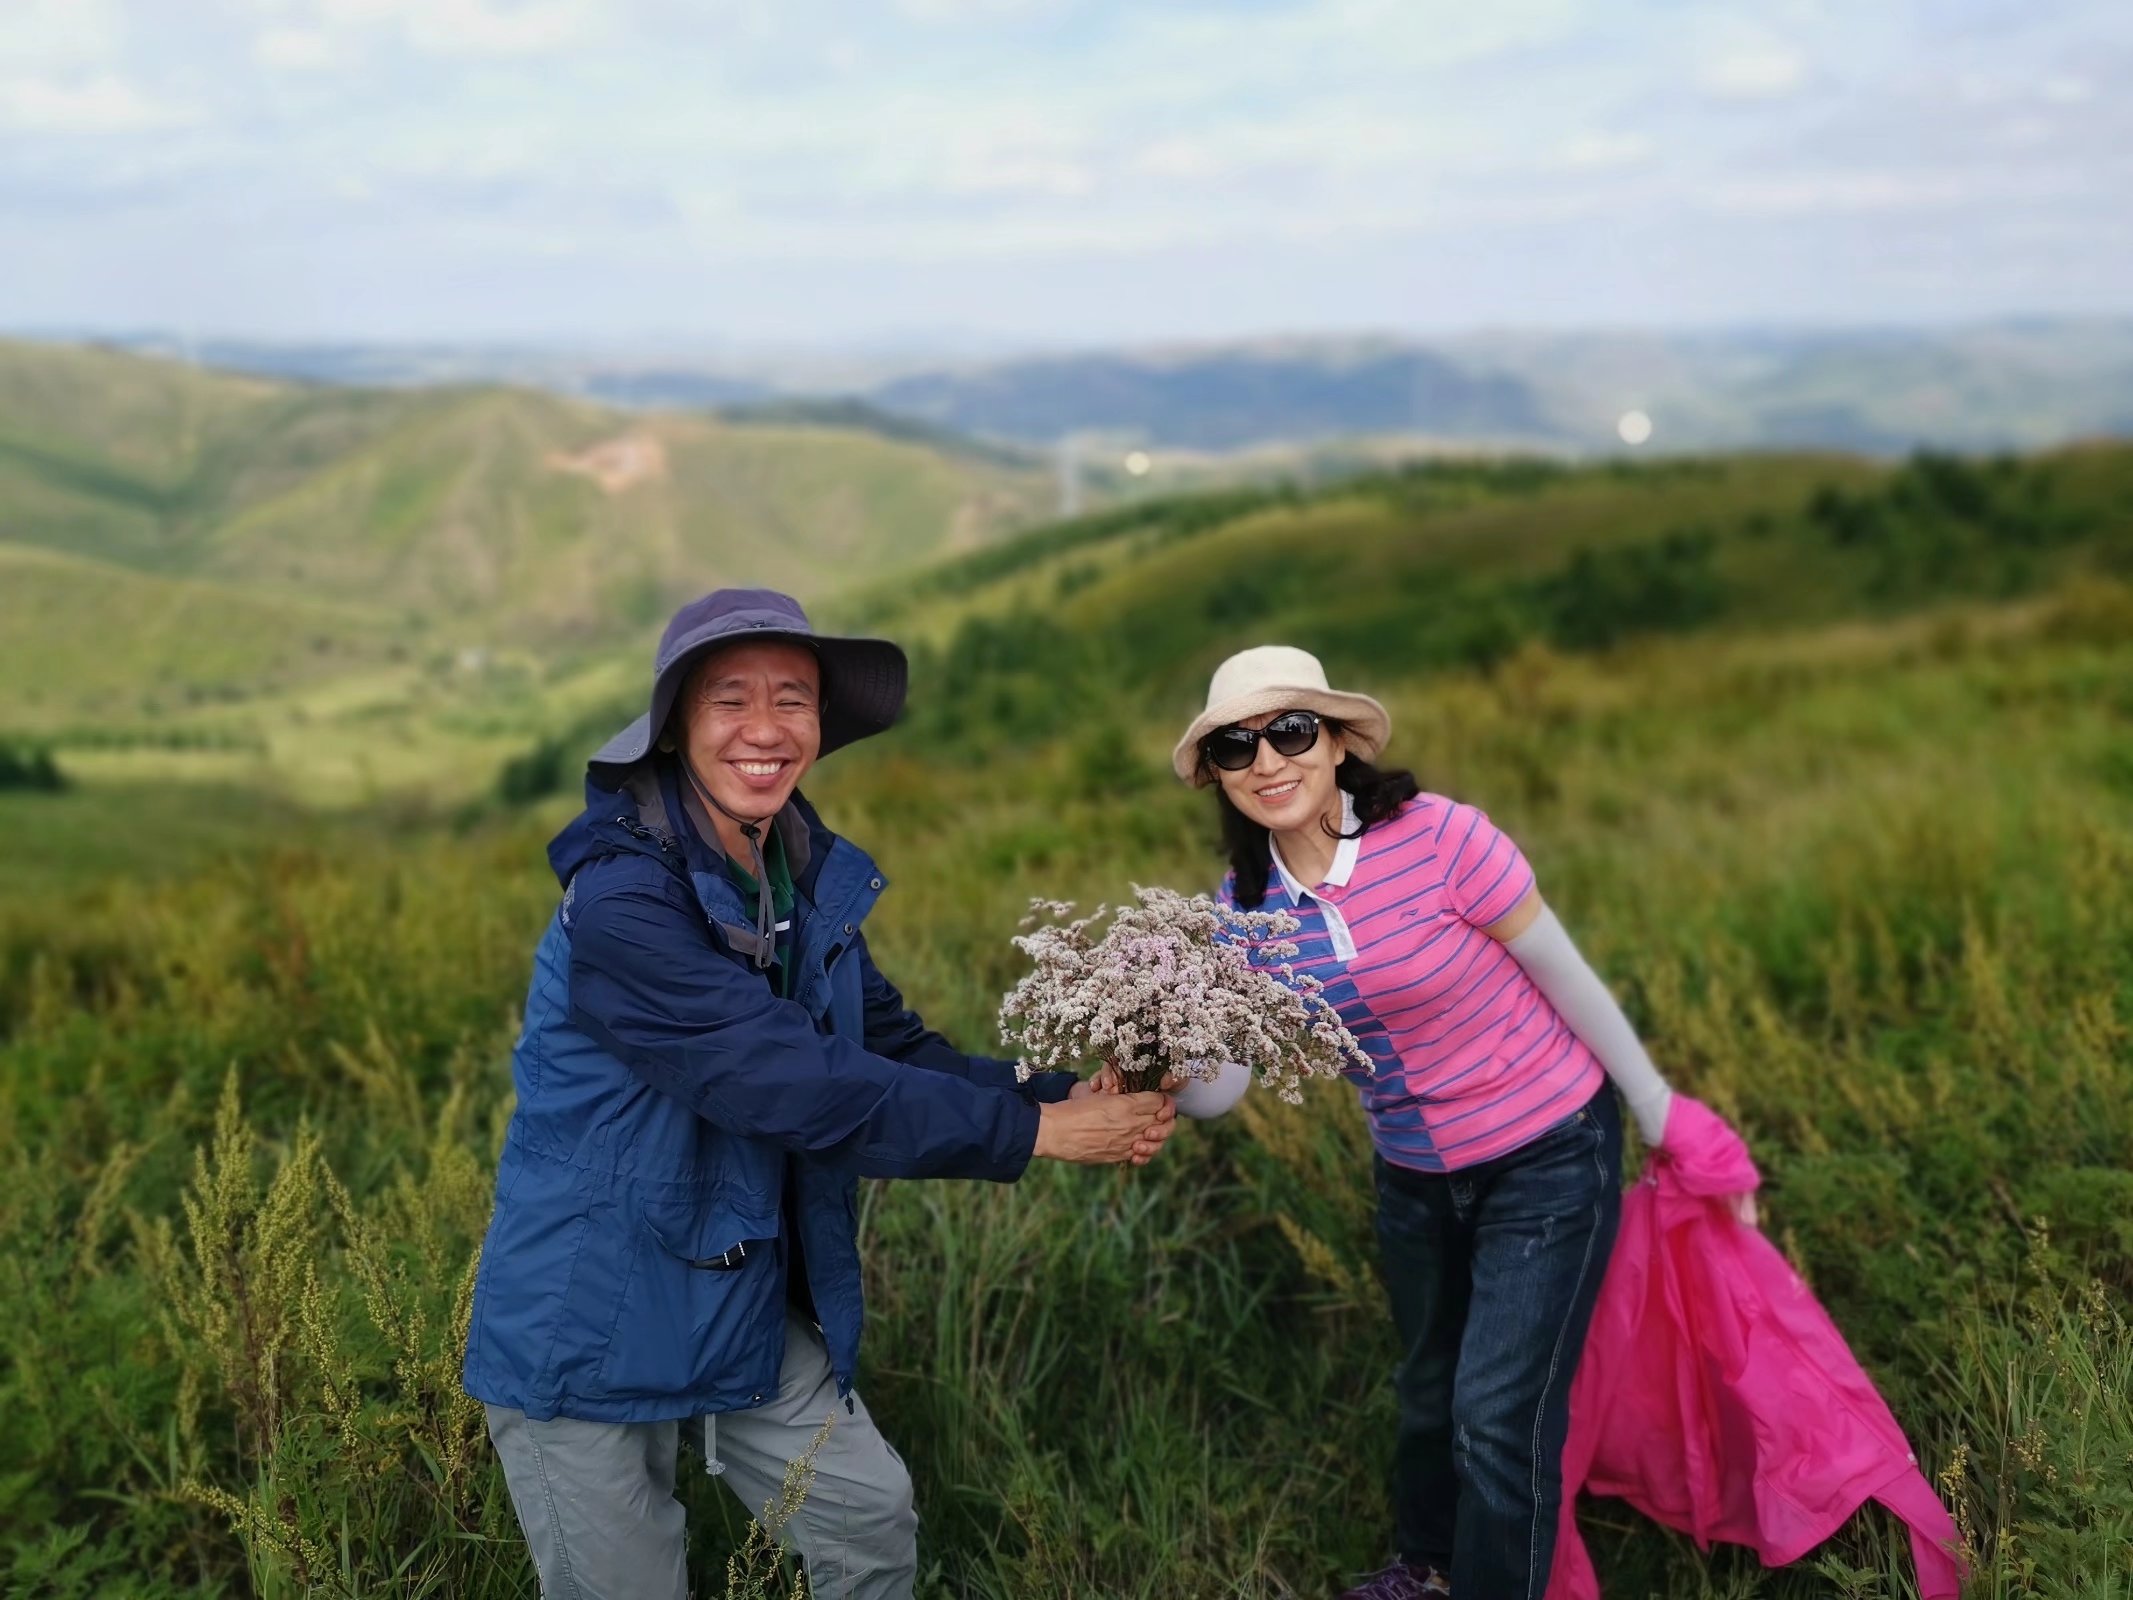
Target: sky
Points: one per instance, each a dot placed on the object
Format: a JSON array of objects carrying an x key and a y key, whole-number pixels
[{"x": 817, "y": 173}]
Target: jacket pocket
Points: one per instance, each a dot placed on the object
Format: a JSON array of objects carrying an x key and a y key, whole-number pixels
[
  {"x": 713, "y": 1236},
  {"x": 701, "y": 1318}
]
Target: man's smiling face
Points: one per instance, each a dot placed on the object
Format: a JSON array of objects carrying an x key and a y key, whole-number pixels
[{"x": 754, "y": 719}]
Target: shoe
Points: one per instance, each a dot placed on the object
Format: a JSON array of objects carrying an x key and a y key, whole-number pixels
[{"x": 1403, "y": 1580}]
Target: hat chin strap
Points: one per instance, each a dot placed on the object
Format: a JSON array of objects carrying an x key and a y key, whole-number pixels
[{"x": 766, "y": 913}]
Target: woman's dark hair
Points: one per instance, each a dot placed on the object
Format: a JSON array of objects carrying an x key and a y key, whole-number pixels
[{"x": 1377, "y": 795}]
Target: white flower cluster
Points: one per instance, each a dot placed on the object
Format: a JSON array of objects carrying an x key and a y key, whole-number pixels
[{"x": 1177, "y": 984}]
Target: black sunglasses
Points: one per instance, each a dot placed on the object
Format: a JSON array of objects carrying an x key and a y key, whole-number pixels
[{"x": 1234, "y": 748}]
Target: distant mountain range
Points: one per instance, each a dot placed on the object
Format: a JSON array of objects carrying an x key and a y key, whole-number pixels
[
  {"x": 2014, "y": 384},
  {"x": 1227, "y": 398}
]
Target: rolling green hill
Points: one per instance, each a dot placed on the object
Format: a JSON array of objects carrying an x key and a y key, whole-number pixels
[
  {"x": 1459, "y": 566},
  {"x": 462, "y": 518},
  {"x": 403, "y": 588},
  {"x": 83, "y": 638}
]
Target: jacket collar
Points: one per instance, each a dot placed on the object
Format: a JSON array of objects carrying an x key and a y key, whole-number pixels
[
  {"x": 642, "y": 814},
  {"x": 684, "y": 819}
]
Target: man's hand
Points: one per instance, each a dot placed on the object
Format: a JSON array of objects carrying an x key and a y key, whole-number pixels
[{"x": 1105, "y": 1129}]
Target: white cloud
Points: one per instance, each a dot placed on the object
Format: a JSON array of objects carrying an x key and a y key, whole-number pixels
[
  {"x": 2025, "y": 132},
  {"x": 103, "y": 102},
  {"x": 472, "y": 27},
  {"x": 2067, "y": 90},
  {"x": 296, "y": 50},
  {"x": 1594, "y": 151},
  {"x": 1181, "y": 160},
  {"x": 1346, "y": 41},
  {"x": 1754, "y": 72},
  {"x": 986, "y": 171},
  {"x": 968, "y": 10},
  {"x": 39, "y": 35},
  {"x": 1803, "y": 193}
]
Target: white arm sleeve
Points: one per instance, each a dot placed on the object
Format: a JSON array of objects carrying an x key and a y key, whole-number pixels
[
  {"x": 1582, "y": 999},
  {"x": 1211, "y": 1097}
]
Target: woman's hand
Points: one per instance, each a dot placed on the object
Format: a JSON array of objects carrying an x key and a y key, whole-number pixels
[
  {"x": 1109, "y": 1080},
  {"x": 1198, "y": 1098},
  {"x": 1105, "y": 1080},
  {"x": 1105, "y": 1129},
  {"x": 1710, "y": 1157}
]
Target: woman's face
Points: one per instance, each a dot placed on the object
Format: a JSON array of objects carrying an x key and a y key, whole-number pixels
[
  {"x": 754, "y": 720},
  {"x": 1281, "y": 792}
]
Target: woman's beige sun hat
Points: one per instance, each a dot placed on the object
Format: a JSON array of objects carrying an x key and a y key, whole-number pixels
[{"x": 1278, "y": 677}]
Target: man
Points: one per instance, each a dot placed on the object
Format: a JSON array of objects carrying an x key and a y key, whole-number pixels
[{"x": 709, "y": 1064}]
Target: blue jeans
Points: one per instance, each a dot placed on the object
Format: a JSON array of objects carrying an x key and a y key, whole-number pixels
[{"x": 1492, "y": 1272}]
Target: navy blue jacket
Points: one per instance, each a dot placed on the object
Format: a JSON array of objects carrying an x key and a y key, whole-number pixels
[{"x": 672, "y": 1109}]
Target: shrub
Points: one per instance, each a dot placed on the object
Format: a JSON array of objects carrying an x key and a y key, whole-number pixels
[{"x": 30, "y": 768}]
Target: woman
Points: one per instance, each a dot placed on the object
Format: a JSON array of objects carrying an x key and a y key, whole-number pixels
[{"x": 1498, "y": 1144}]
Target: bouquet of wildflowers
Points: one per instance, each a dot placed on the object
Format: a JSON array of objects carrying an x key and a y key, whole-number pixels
[{"x": 1176, "y": 985}]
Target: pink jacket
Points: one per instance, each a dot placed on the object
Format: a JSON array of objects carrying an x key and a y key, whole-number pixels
[{"x": 1716, "y": 1396}]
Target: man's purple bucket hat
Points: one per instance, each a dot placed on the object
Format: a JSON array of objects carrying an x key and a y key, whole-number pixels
[{"x": 863, "y": 680}]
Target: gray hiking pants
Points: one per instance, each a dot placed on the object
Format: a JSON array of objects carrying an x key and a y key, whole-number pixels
[{"x": 596, "y": 1499}]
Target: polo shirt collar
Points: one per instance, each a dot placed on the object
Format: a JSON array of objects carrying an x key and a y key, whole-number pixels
[{"x": 1344, "y": 856}]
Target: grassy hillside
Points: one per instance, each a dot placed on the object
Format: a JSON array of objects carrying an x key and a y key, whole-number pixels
[
  {"x": 1427, "y": 569},
  {"x": 84, "y": 641},
  {"x": 137, "y": 460},
  {"x": 1855, "y": 864},
  {"x": 1461, "y": 566},
  {"x": 509, "y": 511},
  {"x": 467, "y": 517},
  {"x": 1825, "y": 763}
]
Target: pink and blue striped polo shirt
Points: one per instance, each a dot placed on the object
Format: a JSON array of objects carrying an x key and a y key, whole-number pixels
[{"x": 1472, "y": 1060}]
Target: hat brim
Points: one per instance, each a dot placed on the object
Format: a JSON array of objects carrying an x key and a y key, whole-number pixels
[
  {"x": 864, "y": 682},
  {"x": 1365, "y": 724}
]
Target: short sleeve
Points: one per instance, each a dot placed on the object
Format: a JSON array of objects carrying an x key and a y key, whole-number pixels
[{"x": 1487, "y": 875}]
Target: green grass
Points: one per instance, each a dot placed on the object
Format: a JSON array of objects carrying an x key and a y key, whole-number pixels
[
  {"x": 1848, "y": 830},
  {"x": 89, "y": 839}
]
